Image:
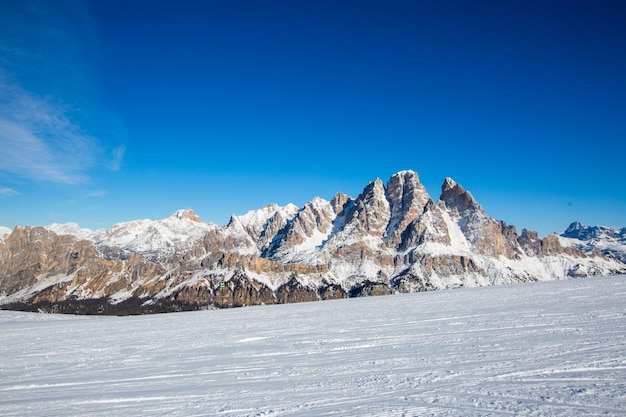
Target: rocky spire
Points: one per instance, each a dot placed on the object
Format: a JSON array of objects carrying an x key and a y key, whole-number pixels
[
  {"x": 370, "y": 212},
  {"x": 407, "y": 199},
  {"x": 456, "y": 198},
  {"x": 339, "y": 202},
  {"x": 486, "y": 236},
  {"x": 315, "y": 216}
]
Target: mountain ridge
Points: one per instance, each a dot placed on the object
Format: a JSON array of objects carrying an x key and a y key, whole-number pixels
[{"x": 391, "y": 238}]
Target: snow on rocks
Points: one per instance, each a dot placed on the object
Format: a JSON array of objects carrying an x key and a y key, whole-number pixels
[{"x": 3, "y": 232}]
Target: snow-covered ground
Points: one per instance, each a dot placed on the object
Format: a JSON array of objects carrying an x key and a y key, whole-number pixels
[{"x": 542, "y": 349}]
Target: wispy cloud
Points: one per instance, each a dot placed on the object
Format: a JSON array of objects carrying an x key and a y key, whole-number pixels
[
  {"x": 7, "y": 192},
  {"x": 97, "y": 194},
  {"x": 39, "y": 142},
  {"x": 117, "y": 158},
  {"x": 46, "y": 95}
]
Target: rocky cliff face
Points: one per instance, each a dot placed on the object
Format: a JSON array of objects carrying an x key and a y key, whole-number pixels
[
  {"x": 390, "y": 238},
  {"x": 486, "y": 236},
  {"x": 370, "y": 213},
  {"x": 407, "y": 200}
]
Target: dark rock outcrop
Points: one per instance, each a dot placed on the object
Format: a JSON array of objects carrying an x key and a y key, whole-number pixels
[{"x": 294, "y": 292}]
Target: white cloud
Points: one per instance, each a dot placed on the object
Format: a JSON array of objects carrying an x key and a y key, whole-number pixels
[
  {"x": 48, "y": 105},
  {"x": 39, "y": 142},
  {"x": 7, "y": 192}
]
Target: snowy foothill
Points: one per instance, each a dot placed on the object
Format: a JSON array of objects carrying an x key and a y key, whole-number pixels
[{"x": 537, "y": 349}]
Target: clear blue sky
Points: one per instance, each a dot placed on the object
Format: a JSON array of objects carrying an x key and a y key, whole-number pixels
[{"x": 119, "y": 110}]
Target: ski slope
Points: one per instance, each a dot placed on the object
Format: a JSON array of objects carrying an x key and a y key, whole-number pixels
[{"x": 541, "y": 349}]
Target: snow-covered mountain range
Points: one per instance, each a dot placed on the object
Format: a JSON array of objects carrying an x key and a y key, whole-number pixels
[
  {"x": 611, "y": 242},
  {"x": 393, "y": 237}
]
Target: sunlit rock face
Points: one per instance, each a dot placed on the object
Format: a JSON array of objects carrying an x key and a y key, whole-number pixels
[
  {"x": 486, "y": 236},
  {"x": 407, "y": 200}
]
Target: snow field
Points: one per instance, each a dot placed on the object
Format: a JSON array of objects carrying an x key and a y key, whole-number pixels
[{"x": 542, "y": 349}]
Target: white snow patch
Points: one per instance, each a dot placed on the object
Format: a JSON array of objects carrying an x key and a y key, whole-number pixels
[
  {"x": 4, "y": 231},
  {"x": 73, "y": 229},
  {"x": 457, "y": 238},
  {"x": 256, "y": 219}
]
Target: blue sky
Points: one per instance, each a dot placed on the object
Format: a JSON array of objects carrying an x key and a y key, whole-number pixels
[{"x": 119, "y": 110}]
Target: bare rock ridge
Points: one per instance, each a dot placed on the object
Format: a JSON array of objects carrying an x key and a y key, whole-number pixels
[{"x": 391, "y": 238}]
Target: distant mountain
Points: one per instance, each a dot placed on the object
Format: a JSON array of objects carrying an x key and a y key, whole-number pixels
[
  {"x": 590, "y": 239},
  {"x": 391, "y": 238},
  {"x": 4, "y": 231}
]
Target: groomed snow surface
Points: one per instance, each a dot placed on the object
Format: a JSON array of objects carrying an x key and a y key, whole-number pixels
[{"x": 542, "y": 349}]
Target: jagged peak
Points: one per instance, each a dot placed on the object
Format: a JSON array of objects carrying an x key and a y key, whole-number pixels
[
  {"x": 455, "y": 196},
  {"x": 339, "y": 202},
  {"x": 234, "y": 220},
  {"x": 529, "y": 234},
  {"x": 403, "y": 182},
  {"x": 340, "y": 195},
  {"x": 448, "y": 184},
  {"x": 316, "y": 210},
  {"x": 317, "y": 201},
  {"x": 375, "y": 187},
  {"x": 583, "y": 232},
  {"x": 291, "y": 209},
  {"x": 267, "y": 211},
  {"x": 406, "y": 184},
  {"x": 406, "y": 175},
  {"x": 374, "y": 191},
  {"x": 186, "y": 214},
  {"x": 574, "y": 226},
  {"x": 370, "y": 211},
  {"x": 316, "y": 205},
  {"x": 407, "y": 198},
  {"x": 4, "y": 231}
]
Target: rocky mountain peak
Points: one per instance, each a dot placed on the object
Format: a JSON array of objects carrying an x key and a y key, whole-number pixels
[
  {"x": 306, "y": 230},
  {"x": 339, "y": 202},
  {"x": 578, "y": 230},
  {"x": 233, "y": 222},
  {"x": 260, "y": 226},
  {"x": 375, "y": 188},
  {"x": 486, "y": 236},
  {"x": 4, "y": 231},
  {"x": 407, "y": 200},
  {"x": 455, "y": 196},
  {"x": 448, "y": 184},
  {"x": 186, "y": 214},
  {"x": 606, "y": 240},
  {"x": 370, "y": 212},
  {"x": 573, "y": 228},
  {"x": 408, "y": 173}
]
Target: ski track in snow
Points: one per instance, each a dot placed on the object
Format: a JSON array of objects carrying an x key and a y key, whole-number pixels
[{"x": 541, "y": 349}]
